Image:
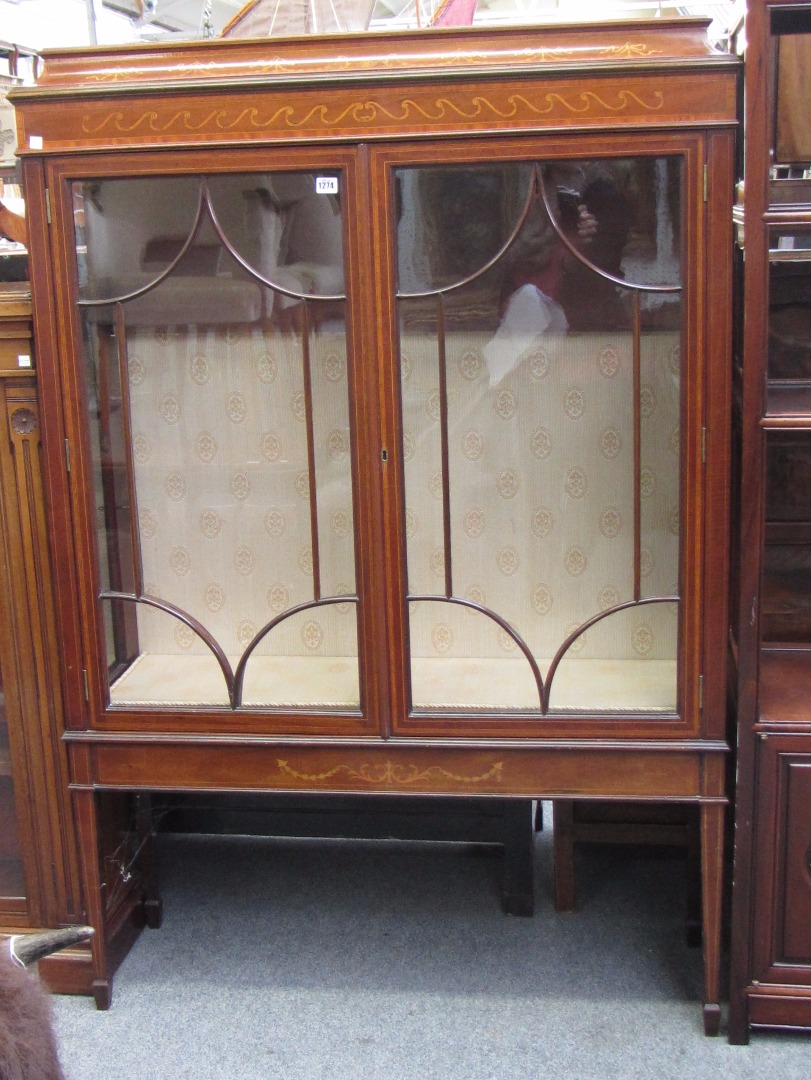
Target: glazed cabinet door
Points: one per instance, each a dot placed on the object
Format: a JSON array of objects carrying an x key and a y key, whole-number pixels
[
  {"x": 545, "y": 471},
  {"x": 217, "y": 420}
]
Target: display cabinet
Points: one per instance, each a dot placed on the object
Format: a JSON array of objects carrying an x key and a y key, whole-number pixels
[
  {"x": 771, "y": 955},
  {"x": 387, "y": 387}
]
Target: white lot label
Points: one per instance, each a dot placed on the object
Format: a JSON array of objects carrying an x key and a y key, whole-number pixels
[{"x": 326, "y": 185}]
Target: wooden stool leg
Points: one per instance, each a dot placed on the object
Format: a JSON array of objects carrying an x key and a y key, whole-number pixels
[
  {"x": 563, "y": 854},
  {"x": 152, "y": 903},
  {"x": 519, "y": 853},
  {"x": 86, "y": 804},
  {"x": 712, "y": 873}
]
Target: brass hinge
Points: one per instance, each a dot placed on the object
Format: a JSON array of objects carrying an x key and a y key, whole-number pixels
[
  {"x": 706, "y": 181},
  {"x": 86, "y": 685},
  {"x": 703, "y": 446},
  {"x": 67, "y": 453},
  {"x": 48, "y": 205},
  {"x": 700, "y": 692}
]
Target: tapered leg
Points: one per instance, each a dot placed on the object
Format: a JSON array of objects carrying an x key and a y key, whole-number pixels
[
  {"x": 712, "y": 873},
  {"x": 693, "y": 914},
  {"x": 152, "y": 903},
  {"x": 86, "y": 803}
]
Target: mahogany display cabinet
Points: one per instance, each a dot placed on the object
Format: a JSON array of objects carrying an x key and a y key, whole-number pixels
[
  {"x": 771, "y": 924},
  {"x": 386, "y": 426}
]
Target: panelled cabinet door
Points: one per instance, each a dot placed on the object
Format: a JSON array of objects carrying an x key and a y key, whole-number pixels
[
  {"x": 782, "y": 919},
  {"x": 541, "y": 358},
  {"x": 220, "y": 394}
]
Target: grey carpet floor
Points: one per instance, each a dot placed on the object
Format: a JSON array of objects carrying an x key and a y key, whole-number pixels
[{"x": 342, "y": 960}]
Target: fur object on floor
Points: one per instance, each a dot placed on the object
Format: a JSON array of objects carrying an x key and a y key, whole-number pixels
[{"x": 27, "y": 1044}]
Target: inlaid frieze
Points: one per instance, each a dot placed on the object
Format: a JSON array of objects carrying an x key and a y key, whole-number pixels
[{"x": 376, "y": 111}]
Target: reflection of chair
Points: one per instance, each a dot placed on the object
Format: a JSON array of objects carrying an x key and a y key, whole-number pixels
[
  {"x": 657, "y": 824},
  {"x": 12, "y": 225}
]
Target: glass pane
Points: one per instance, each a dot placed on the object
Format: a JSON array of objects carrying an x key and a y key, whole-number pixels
[
  {"x": 786, "y": 614},
  {"x": 11, "y": 870},
  {"x": 463, "y": 659},
  {"x": 453, "y": 221},
  {"x": 158, "y": 675},
  {"x": 660, "y": 443},
  {"x": 625, "y": 662},
  {"x": 110, "y": 462},
  {"x": 286, "y": 226},
  {"x": 222, "y": 458},
  {"x": 789, "y": 360},
  {"x": 540, "y": 372},
  {"x": 785, "y": 604},
  {"x": 316, "y": 649},
  {"x": 792, "y": 134},
  {"x": 126, "y": 237}
]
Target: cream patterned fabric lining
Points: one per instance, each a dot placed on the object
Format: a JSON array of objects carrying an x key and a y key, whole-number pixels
[{"x": 541, "y": 494}]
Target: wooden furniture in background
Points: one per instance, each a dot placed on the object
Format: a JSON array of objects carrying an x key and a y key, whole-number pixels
[
  {"x": 39, "y": 879},
  {"x": 322, "y": 518},
  {"x": 771, "y": 924},
  {"x": 657, "y": 825}
]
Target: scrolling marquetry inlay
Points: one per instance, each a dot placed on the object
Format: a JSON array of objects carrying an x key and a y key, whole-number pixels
[
  {"x": 392, "y": 774},
  {"x": 369, "y": 113},
  {"x": 278, "y": 65}
]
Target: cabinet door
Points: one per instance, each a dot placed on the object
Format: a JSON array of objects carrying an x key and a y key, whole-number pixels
[
  {"x": 785, "y": 593},
  {"x": 218, "y": 394},
  {"x": 543, "y": 359},
  {"x": 782, "y": 920}
]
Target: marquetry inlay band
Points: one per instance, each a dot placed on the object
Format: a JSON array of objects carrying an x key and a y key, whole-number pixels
[
  {"x": 390, "y": 773},
  {"x": 279, "y": 65},
  {"x": 368, "y": 113}
]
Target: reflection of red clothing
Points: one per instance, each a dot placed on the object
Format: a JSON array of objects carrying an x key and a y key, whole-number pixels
[{"x": 549, "y": 278}]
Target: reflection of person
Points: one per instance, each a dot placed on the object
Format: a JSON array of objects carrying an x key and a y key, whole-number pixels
[
  {"x": 591, "y": 301},
  {"x": 300, "y": 237},
  {"x": 534, "y": 279}
]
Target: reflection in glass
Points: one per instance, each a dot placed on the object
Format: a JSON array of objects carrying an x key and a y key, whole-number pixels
[
  {"x": 786, "y": 604},
  {"x": 11, "y": 870},
  {"x": 125, "y": 236},
  {"x": 221, "y": 442},
  {"x": 789, "y": 310},
  {"x": 540, "y": 360}
]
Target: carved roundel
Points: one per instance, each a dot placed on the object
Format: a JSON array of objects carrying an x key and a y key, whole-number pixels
[{"x": 24, "y": 421}]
